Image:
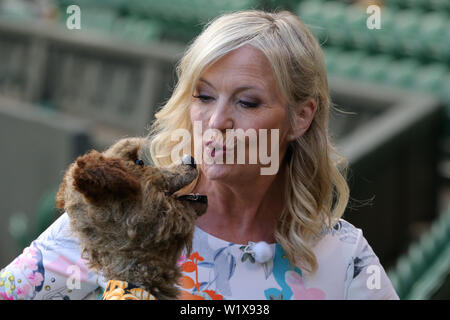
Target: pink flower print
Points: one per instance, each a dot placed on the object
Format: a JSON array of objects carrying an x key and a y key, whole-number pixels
[
  {"x": 27, "y": 259},
  {"x": 36, "y": 279},
  {"x": 295, "y": 282},
  {"x": 22, "y": 291},
  {"x": 20, "y": 262},
  {"x": 32, "y": 251},
  {"x": 25, "y": 262},
  {"x": 5, "y": 296},
  {"x": 181, "y": 260}
]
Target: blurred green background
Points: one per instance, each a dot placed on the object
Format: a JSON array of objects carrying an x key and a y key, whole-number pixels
[{"x": 65, "y": 91}]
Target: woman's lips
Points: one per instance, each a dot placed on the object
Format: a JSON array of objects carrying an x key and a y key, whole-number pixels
[
  {"x": 215, "y": 148},
  {"x": 218, "y": 150}
]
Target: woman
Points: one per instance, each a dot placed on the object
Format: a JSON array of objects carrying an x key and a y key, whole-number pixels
[{"x": 264, "y": 236}]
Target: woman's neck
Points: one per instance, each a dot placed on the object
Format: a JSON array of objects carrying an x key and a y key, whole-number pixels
[{"x": 243, "y": 212}]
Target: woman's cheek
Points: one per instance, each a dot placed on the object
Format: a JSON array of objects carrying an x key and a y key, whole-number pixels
[
  {"x": 193, "y": 112},
  {"x": 197, "y": 114}
]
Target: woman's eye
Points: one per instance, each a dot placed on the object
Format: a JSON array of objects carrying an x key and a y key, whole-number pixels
[
  {"x": 203, "y": 98},
  {"x": 248, "y": 104}
]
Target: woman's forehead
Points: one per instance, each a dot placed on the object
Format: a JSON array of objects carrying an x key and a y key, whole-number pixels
[{"x": 246, "y": 64}]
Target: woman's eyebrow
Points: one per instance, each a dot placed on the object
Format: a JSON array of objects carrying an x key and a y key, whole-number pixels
[{"x": 238, "y": 89}]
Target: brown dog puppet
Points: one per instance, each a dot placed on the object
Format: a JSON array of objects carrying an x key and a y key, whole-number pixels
[{"x": 132, "y": 223}]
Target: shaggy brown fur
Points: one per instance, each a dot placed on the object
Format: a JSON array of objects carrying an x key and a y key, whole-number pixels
[{"x": 131, "y": 225}]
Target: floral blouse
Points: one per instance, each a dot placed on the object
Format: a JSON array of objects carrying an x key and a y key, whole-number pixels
[{"x": 52, "y": 268}]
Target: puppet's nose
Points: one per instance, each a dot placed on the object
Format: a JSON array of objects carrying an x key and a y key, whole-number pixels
[{"x": 189, "y": 160}]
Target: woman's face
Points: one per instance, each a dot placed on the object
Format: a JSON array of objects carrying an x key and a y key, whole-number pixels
[{"x": 239, "y": 91}]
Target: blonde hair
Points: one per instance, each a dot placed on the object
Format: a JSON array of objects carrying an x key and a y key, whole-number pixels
[{"x": 316, "y": 191}]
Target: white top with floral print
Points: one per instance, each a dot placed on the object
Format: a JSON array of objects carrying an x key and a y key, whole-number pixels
[{"x": 52, "y": 268}]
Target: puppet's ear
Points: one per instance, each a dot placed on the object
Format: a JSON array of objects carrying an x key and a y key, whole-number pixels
[
  {"x": 102, "y": 179},
  {"x": 127, "y": 149}
]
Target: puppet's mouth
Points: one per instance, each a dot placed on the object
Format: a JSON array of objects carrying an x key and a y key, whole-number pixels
[{"x": 195, "y": 197}]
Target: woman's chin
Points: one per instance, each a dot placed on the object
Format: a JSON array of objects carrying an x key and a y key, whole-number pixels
[
  {"x": 217, "y": 171},
  {"x": 234, "y": 173}
]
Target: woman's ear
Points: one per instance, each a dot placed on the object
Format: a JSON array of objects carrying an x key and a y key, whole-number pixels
[{"x": 304, "y": 115}]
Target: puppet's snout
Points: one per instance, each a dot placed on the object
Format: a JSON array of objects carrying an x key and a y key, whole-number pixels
[{"x": 189, "y": 160}]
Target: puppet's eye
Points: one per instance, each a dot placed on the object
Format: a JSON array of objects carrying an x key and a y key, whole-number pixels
[{"x": 139, "y": 162}]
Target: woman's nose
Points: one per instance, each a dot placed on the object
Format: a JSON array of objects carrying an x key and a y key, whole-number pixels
[{"x": 221, "y": 118}]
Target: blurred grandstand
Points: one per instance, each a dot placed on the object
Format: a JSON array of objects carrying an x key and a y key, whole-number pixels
[{"x": 65, "y": 91}]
